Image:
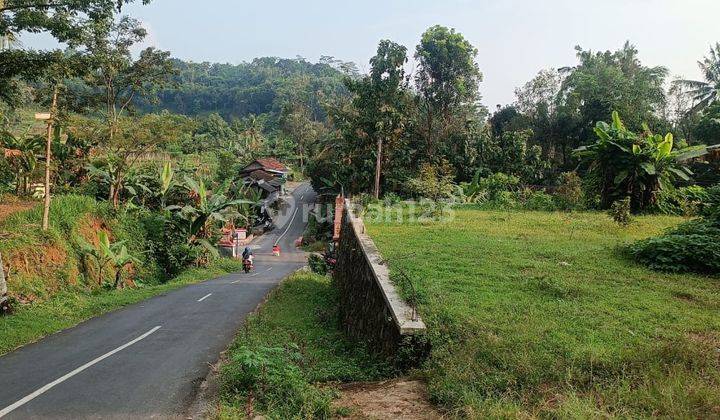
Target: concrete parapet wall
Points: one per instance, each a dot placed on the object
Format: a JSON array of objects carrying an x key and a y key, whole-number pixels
[{"x": 371, "y": 307}]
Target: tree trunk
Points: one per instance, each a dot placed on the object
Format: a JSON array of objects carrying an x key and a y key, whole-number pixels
[
  {"x": 48, "y": 153},
  {"x": 118, "y": 277},
  {"x": 378, "y": 167}
]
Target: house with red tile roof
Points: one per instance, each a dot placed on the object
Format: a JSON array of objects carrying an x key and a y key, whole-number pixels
[
  {"x": 269, "y": 165},
  {"x": 268, "y": 175}
]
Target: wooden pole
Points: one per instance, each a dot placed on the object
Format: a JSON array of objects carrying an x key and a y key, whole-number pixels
[
  {"x": 378, "y": 167},
  {"x": 3, "y": 286},
  {"x": 48, "y": 152}
]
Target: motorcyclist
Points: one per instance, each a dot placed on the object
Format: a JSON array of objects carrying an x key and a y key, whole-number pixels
[{"x": 247, "y": 254}]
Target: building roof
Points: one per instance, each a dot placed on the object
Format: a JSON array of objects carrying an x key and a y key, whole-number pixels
[{"x": 266, "y": 164}]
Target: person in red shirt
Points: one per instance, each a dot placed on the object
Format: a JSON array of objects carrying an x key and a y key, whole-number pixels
[{"x": 276, "y": 250}]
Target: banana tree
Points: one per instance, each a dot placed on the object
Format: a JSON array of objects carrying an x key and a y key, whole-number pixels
[
  {"x": 626, "y": 164},
  {"x": 116, "y": 254},
  {"x": 205, "y": 210},
  {"x": 21, "y": 152}
]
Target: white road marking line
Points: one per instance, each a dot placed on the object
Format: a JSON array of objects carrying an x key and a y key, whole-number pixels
[
  {"x": 7, "y": 410},
  {"x": 235, "y": 282},
  {"x": 288, "y": 226},
  {"x": 269, "y": 268},
  {"x": 253, "y": 275},
  {"x": 204, "y": 297}
]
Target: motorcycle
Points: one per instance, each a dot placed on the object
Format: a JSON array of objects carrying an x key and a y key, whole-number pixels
[{"x": 247, "y": 265}]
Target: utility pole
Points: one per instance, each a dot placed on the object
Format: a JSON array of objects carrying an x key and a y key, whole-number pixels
[{"x": 48, "y": 153}]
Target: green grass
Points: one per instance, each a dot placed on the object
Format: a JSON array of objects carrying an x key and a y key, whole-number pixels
[
  {"x": 46, "y": 263},
  {"x": 538, "y": 314},
  {"x": 287, "y": 349},
  {"x": 70, "y": 307}
]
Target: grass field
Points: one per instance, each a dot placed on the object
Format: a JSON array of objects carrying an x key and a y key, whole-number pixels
[
  {"x": 539, "y": 314},
  {"x": 287, "y": 357}
]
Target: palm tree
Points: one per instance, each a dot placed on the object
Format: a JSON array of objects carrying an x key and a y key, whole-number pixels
[{"x": 704, "y": 93}]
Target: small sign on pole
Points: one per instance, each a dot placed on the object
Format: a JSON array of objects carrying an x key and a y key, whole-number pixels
[{"x": 42, "y": 116}]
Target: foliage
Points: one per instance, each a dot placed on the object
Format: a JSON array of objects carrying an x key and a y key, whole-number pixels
[
  {"x": 133, "y": 139},
  {"x": 608, "y": 337},
  {"x": 694, "y": 247},
  {"x": 626, "y": 164},
  {"x": 498, "y": 183},
  {"x": 604, "y": 82},
  {"x": 434, "y": 182},
  {"x": 569, "y": 194},
  {"x": 620, "y": 212},
  {"x": 705, "y": 93},
  {"x": 21, "y": 157},
  {"x": 707, "y": 128},
  {"x": 115, "y": 254},
  {"x": 538, "y": 201},
  {"x": 317, "y": 264},
  {"x": 260, "y": 88},
  {"x": 447, "y": 79},
  {"x": 685, "y": 201},
  {"x": 67, "y": 21}
]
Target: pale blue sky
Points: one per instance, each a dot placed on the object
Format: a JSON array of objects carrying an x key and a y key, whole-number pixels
[{"x": 515, "y": 38}]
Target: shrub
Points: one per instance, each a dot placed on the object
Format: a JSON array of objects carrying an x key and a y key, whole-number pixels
[
  {"x": 434, "y": 182},
  {"x": 686, "y": 201},
  {"x": 539, "y": 201},
  {"x": 620, "y": 212},
  {"x": 391, "y": 199},
  {"x": 317, "y": 264},
  {"x": 505, "y": 200},
  {"x": 272, "y": 379},
  {"x": 711, "y": 205},
  {"x": 569, "y": 194},
  {"x": 692, "y": 246},
  {"x": 498, "y": 183}
]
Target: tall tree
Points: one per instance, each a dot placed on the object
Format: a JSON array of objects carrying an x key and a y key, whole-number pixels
[
  {"x": 118, "y": 79},
  {"x": 608, "y": 81},
  {"x": 448, "y": 79},
  {"x": 65, "y": 20},
  {"x": 388, "y": 82}
]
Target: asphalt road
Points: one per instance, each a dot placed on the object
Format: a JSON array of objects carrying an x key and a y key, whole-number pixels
[{"x": 148, "y": 359}]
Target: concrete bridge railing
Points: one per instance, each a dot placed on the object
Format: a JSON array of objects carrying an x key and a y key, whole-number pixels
[{"x": 371, "y": 308}]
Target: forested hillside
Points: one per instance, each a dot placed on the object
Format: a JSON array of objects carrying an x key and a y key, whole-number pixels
[{"x": 264, "y": 86}]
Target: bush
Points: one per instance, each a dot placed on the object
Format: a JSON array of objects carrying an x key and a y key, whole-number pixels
[
  {"x": 569, "y": 194},
  {"x": 692, "y": 246},
  {"x": 317, "y": 264},
  {"x": 498, "y": 183},
  {"x": 711, "y": 206},
  {"x": 686, "y": 201},
  {"x": 620, "y": 212},
  {"x": 271, "y": 377},
  {"x": 390, "y": 199},
  {"x": 539, "y": 201}
]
